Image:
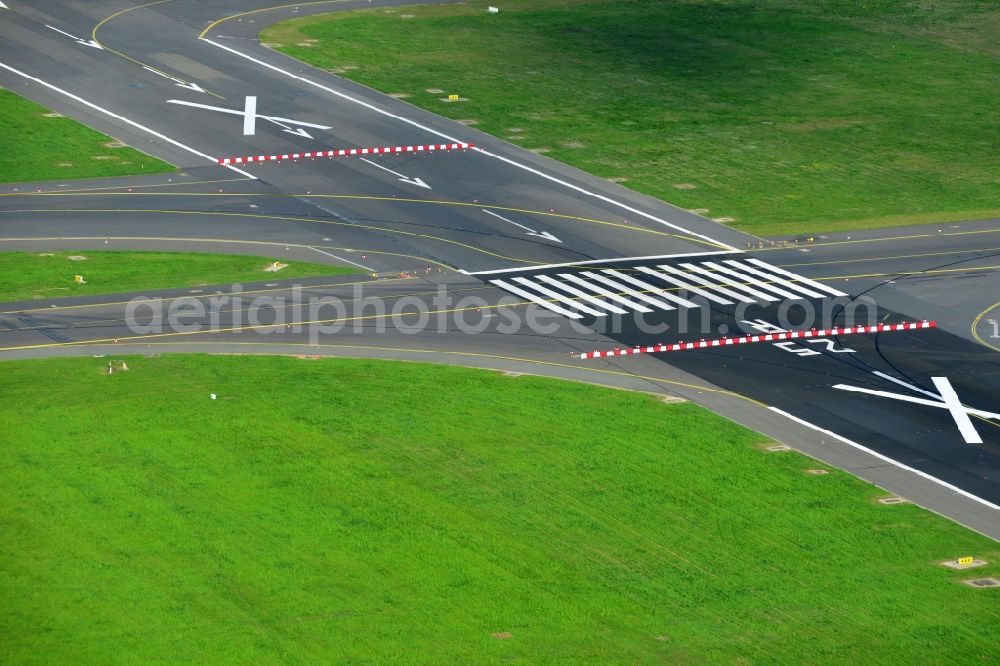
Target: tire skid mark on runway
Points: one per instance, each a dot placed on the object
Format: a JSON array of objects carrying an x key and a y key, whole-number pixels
[{"x": 47, "y": 331}]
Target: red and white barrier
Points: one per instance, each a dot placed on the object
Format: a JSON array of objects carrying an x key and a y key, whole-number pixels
[
  {"x": 763, "y": 337},
  {"x": 348, "y": 152}
]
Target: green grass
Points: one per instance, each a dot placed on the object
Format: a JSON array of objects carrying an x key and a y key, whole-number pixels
[
  {"x": 35, "y": 275},
  {"x": 332, "y": 511},
  {"x": 791, "y": 116},
  {"x": 35, "y": 146}
]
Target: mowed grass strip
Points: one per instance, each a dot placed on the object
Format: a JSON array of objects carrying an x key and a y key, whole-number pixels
[
  {"x": 785, "y": 116},
  {"x": 357, "y": 511},
  {"x": 36, "y": 275},
  {"x": 37, "y": 144}
]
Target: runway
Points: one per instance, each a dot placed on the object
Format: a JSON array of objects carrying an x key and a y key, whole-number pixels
[{"x": 476, "y": 239}]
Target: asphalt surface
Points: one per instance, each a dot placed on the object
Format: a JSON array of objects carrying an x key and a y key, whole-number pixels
[{"x": 499, "y": 235}]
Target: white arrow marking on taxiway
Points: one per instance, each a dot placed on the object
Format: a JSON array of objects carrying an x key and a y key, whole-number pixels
[
  {"x": 3, "y": 6},
  {"x": 85, "y": 42},
  {"x": 286, "y": 128},
  {"x": 531, "y": 232},
  {"x": 405, "y": 179},
  {"x": 177, "y": 82},
  {"x": 945, "y": 399}
]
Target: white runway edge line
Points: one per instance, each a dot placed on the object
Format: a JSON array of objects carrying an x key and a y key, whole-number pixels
[
  {"x": 123, "y": 119},
  {"x": 480, "y": 150},
  {"x": 887, "y": 459},
  {"x": 768, "y": 337},
  {"x": 347, "y": 152}
]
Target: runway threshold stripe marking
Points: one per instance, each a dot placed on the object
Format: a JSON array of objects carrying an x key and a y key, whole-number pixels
[
  {"x": 748, "y": 279},
  {"x": 590, "y": 298},
  {"x": 413, "y": 123},
  {"x": 794, "y": 276},
  {"x": 559, "y": 297},
  {"x": 638, "y": 295},
  {"x": 517, "y": 291},
  {"x": 123, "y": 119},
  {"x": 651, "y": 288},
  {"x": 774, "y": 278},
  {"x": 727, "y": 287},
  {"x": 569, "y": 277},
  {"x": 896, "y": 463},
  {"x": 762, "y": 337},
  {"x": 347, "y": 152},
  {"x": 690, "y": 287}
]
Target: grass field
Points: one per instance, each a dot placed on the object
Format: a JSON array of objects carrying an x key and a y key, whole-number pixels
[
  {"x": 34, "y": 275},
  {"x": 790, "y": 116},
  {"x": 36, "y": 144},
  {"x": 370, "y": 512}
]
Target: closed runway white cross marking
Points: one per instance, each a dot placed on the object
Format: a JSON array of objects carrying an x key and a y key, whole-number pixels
[
  {"x": 946, "y": 398},
  {"x": 250, "y": 115}
]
